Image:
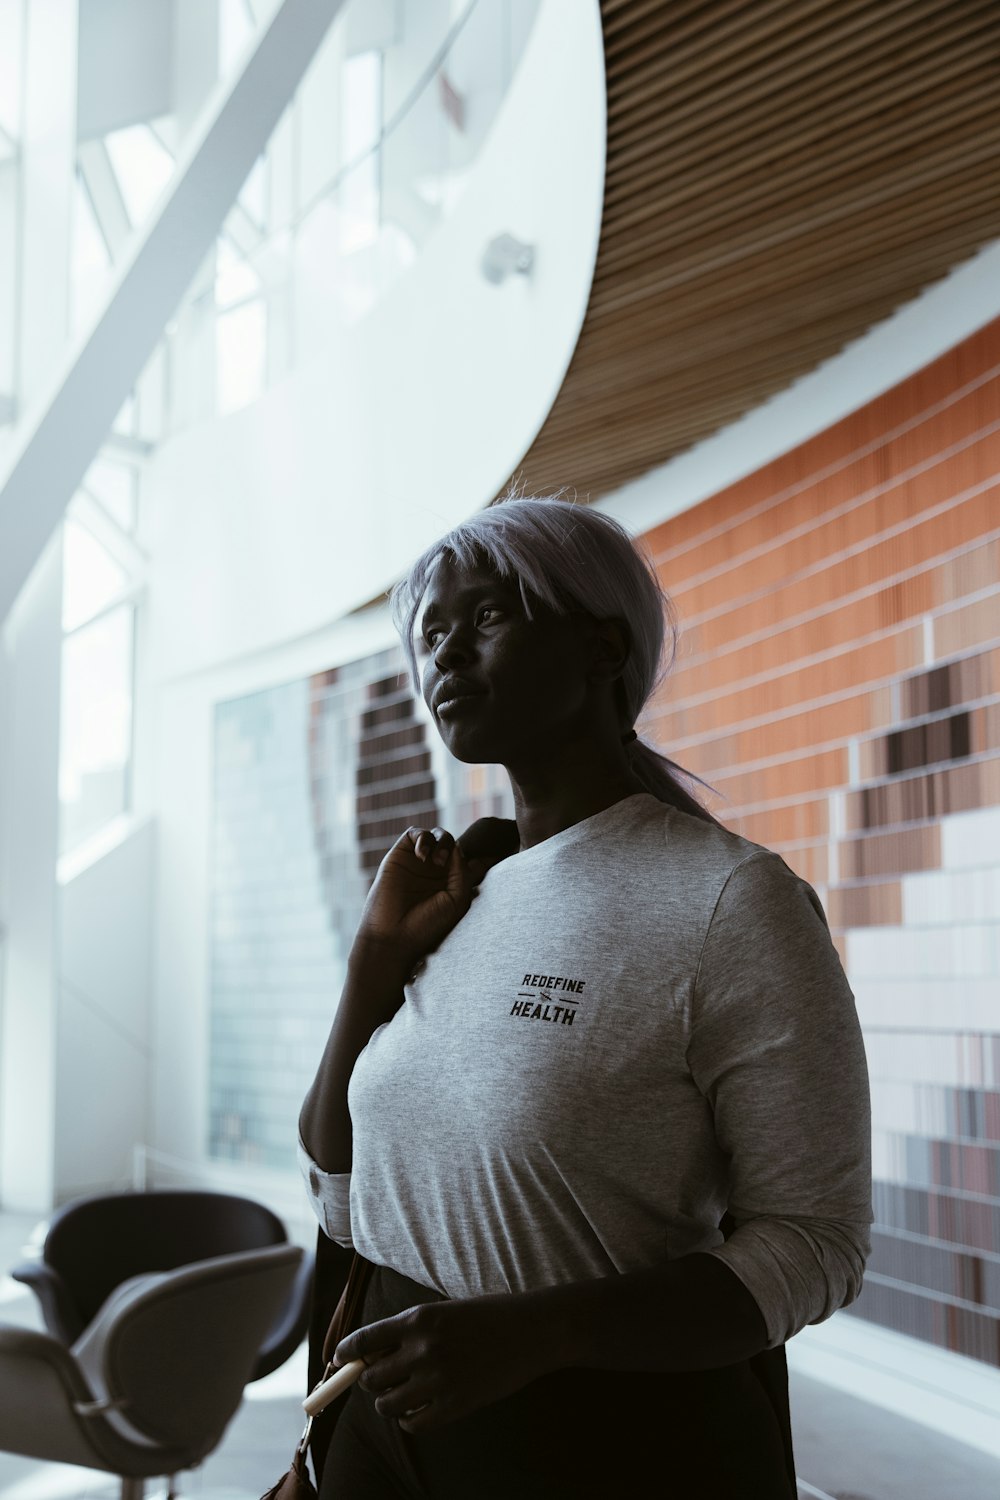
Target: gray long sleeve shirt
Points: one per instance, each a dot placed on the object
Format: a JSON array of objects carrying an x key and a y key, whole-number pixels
[{"x": 640, "y": 1022}]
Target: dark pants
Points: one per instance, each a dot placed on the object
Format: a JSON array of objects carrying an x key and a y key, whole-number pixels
[{"x": 700, "y": 1435}]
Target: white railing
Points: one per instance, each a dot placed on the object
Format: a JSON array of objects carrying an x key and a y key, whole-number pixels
[{"x": 282, "y": 1192}]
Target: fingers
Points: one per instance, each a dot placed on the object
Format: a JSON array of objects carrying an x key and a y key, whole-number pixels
[
  {"x": 389, "y": 1380},
  {"x": 434, "y": 845},
  {"x": 386, "y": 1374}
]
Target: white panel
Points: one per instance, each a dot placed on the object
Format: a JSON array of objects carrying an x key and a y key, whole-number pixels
[
  {"x": 102, "y": 1101},
  {"x": 917, "y": 953},
  {"x": 125, "y": 64},
  {"x": 913, "y": 1059},
  {"x": 971, "y": 839},
  {"x": 901, "y": 1107},
  {"x": 941, "y": 898},
  {"x": 929, "y": 1004},
  {"x": 105, "y": 917}
]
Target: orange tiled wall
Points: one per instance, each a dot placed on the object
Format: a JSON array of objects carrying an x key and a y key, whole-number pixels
[{"x": 838, "y": 683}]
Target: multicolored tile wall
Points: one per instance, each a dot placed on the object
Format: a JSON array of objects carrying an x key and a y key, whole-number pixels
[{"x": 839, "y": 685}]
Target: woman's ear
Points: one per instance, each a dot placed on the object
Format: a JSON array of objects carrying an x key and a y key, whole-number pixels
[{"x": 613, "y": 646}]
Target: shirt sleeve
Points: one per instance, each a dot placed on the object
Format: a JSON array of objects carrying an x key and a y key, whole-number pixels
[
  {"x": 776, "y": 1049},
  {"x": 330, "y": 1197}
]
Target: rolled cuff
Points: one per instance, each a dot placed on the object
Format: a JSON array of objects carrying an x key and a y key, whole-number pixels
[
  {"x": 330, "y": 1196},
  {"x": 797, "y": 1272}
]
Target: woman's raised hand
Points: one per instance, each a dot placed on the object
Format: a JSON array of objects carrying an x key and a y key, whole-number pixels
[{"x": 423, "y": 888}]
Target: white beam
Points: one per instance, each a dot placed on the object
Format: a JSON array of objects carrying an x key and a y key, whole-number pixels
[
  {"x": 61, "y": 434},
  {"x": 105, "y": 195}
]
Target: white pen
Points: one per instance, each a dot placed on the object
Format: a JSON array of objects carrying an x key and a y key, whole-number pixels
[{"x": 328, "y": 1390}]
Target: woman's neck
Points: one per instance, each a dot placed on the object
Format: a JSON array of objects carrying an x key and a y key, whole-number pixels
[{"x": 541, "y": 812}]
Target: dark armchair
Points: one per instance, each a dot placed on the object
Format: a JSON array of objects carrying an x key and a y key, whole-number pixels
[
  {"x": 153, "y": 1382},
  {"x": 95, "y": 1244}
]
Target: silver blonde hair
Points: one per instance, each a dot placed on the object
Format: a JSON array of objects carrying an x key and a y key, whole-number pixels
[{"x": 567, "y": 557}]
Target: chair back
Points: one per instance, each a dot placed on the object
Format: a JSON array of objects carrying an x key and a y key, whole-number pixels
[
  {"x": 177, "y": 1348},
  {"x": 97, "y": 1243}
]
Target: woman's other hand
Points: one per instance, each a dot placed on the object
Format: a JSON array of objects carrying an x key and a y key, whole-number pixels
[{"x": 440, "y": 1361}]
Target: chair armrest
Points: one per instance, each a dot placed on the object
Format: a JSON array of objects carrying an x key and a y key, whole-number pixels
[
  {"x": 43, "y": 1389},
  {"x": 292, "y": 1324},
  {"x": 58, "y": 1310},
  {"x": 27, "y": 1343}
]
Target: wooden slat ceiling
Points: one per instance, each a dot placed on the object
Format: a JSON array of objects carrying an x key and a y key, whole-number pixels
[{"x": 780, "y": 176}]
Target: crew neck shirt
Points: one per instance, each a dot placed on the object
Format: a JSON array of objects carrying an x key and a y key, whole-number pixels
[{"x": 640, "y": 1022}]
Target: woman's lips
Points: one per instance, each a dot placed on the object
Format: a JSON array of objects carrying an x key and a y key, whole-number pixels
[{"x": 452, "y": 705}]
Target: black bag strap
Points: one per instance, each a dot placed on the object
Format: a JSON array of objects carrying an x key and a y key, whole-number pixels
[{"x": 334, "y": 1268}]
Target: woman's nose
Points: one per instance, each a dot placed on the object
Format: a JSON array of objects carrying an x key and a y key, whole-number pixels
[{"x": 453, "y": 647}]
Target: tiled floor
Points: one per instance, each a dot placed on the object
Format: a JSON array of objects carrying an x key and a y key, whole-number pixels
[{"x": 845, "y": 1449}]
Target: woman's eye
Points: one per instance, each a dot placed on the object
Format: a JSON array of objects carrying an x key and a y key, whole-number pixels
[{"x": 434, "y": 631}]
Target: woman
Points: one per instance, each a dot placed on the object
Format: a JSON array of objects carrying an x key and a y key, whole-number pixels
[{"x": 567, "y": 1055}]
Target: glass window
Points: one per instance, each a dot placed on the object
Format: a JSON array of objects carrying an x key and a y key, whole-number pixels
[
  {"x": 96, "y": 730},
  {"x": 236, "y": 27},
  {"x": 91, "y": 577},
  {"x": 142, "y": 165},
  {"x": 253, "y": 194},
  {"x": 113, "y": 486},
  {"x": 235, "y": 278},
  {"x": 358, "y": 196},
  {"x": 89, "y": 257},
  {"x": 240, "y": 355}
]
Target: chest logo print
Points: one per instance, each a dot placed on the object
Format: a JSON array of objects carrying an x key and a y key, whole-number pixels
[{"x": 538, "y": 996}]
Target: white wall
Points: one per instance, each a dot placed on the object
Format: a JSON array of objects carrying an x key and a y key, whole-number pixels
[
  {"x": 269, "y": 524},
  {"x": 105, "y": 913}
]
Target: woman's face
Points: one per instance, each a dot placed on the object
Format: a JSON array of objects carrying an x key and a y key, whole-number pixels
[{"x": 503, "y": 689}]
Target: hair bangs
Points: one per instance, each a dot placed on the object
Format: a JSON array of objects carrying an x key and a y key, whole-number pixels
[{"x": 482, "y": 540}]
